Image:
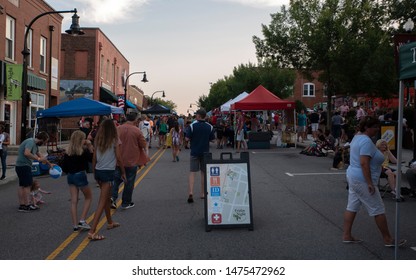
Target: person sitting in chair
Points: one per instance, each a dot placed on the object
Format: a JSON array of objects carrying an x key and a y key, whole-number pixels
[
  {"x": 386, "y": 170},
  {"x": 411, "y": 178}
]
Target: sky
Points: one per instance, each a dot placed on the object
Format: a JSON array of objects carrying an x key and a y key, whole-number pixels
[{"x": 183, "y": 45}]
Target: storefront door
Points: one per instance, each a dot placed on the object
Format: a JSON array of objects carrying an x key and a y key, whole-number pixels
[{"x": 8, "y": 116}]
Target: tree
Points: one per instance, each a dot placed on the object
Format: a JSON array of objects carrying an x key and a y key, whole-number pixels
[
  {"x": 345, "y": 41},
  {"x": 167, "y": 103},
  {"x": 247, "y": 78}
]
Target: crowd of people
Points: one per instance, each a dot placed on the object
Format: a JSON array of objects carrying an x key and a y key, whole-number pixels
[{"x": 115, "y": 151}]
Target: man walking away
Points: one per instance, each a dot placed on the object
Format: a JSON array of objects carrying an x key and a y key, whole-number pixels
[
  {"x": 132, "y": 144},
  {"x": 199, "y": 133}
]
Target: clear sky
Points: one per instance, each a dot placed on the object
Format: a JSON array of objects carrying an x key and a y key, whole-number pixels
[{"x": 183, "y": 45}]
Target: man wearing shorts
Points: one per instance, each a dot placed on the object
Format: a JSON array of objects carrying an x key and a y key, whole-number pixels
[
  {"x": 314, "y": 119},
  {"x": 28, "y": 152},
  {"x": 199, "y": 133}
]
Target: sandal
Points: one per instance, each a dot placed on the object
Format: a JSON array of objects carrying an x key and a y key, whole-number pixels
[
  {"x": 352, "y": 240},
  {"x": 113, "y": 225},
  {"x": 95, "y": 236}
]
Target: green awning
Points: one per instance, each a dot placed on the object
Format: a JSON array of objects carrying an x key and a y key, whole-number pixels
[
  {"x": 36, "y": 82},
  {"x": 107, "y": 96}
]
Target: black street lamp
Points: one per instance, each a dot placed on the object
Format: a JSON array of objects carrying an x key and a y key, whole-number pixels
[
  {"x": 144, "y": 80},
  {"x": 74, "y": 30},
  {"x": 151, "y": 98}
]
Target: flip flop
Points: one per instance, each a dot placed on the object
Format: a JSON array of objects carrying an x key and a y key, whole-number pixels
[
  {"x": 95, "y": 237},
  {"x": 401, "y": 243},
  {"x": 352, "y": 241},
  {"x": 113, "y": 225}
]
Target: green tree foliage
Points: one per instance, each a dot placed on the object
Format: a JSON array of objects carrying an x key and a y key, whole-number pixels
[
  {"x": 347, "y": 41},
  {"x": 167, "y": 103},
  {"x": 247, "y": 78}
]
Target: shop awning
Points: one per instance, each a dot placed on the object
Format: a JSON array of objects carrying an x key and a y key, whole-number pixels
[
  {"x": 36, "y": 82},
  {"x": 107, "y": 96},
  {"x": 131, "y": 105}
]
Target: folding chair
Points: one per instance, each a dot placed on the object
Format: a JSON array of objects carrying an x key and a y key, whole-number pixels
[{"x": 383, "y": 185}]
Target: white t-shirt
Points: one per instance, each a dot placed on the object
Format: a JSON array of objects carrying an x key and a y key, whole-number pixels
[{"x": 145, "y": 128}]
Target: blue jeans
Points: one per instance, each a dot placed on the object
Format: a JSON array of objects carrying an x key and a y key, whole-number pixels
[
  {"x": 3, "y": 155},
  {"x": 128, "y": 186}
]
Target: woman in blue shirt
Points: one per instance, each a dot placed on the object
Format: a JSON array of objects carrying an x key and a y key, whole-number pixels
[{"x": 362, "y": 175}]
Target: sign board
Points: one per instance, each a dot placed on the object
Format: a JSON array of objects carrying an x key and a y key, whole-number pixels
[
  {"x": 407, "y": 61},
  {"x": 227, "y": 192}
]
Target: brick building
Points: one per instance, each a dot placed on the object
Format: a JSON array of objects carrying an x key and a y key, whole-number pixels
[
  {"x": 43, "y": 41},
  {"x": 309, "y": 91},
  {"x": 93, "y": 67}
]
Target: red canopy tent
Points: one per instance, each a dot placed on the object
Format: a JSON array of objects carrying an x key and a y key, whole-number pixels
[{"x": 262, "y": 99}]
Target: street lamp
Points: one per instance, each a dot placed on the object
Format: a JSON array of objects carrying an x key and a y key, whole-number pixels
[
  {"x": 151, "y": 98},
  {"x": 144, "y": 80},
  {"x": 73, "y": 30}
]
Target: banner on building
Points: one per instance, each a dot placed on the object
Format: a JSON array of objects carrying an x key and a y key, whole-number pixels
[
  {"x": 121, "y": 102},
  {"x": 14, "y": 81}
]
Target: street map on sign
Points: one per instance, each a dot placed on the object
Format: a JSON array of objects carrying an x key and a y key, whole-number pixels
[{"x": 228, "y": 197}]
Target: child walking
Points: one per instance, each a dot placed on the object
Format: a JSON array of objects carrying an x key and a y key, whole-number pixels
[
  {"x": 75, "y": 164},
  {"x": 36, "y": 194},
  {"x": 176, "y": 141}
]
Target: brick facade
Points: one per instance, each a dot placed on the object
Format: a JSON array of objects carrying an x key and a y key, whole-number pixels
[
  {"x": 23, "y": 12},
  {"x": 309, "y": 100},
  {"x": 93, "y": 57}
]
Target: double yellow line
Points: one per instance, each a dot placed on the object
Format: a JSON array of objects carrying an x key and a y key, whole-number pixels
[{"x": 85, "y": 242}]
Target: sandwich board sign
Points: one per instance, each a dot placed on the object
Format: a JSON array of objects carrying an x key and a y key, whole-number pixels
[{"x": 227, "y": 192}]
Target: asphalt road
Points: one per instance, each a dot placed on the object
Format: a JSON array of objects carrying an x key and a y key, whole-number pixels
[{"x": 297, "y": 202}]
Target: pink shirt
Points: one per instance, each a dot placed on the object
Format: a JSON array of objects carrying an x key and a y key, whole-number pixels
[{"x": 132, "y": 144}]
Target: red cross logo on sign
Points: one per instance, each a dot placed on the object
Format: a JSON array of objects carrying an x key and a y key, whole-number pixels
[{"x": 216, "y": 218}]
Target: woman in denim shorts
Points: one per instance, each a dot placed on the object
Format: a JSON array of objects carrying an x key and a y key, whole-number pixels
[
  {"x": 105, "y": 159},
  {"x": 75, "y": 165}
]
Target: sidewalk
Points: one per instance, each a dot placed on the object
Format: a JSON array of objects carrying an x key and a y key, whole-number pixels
[{"x": 11, "y": 162}]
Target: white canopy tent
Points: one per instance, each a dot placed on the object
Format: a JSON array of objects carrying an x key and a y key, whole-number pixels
[{"x": 226, "y": 107}]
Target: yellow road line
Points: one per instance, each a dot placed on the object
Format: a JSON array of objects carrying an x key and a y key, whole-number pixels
[
  {"x": 72, "y": 236},
  {"x": 85, "y": 242}
]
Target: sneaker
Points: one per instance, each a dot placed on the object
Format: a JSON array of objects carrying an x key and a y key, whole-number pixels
[
  {"x": 75, "y": 229},
  {"x": 23, "y": 208},
  {"x": 32, "y": 207},
  {"x": 83, "y": 225},
  {"x": 190, "y": 198},
  {"x": 130, "y": 205},
  {"x": 113, "y": 204}
]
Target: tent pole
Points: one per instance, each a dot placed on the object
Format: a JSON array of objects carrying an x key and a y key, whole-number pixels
[{"x": 399, "y": 167}]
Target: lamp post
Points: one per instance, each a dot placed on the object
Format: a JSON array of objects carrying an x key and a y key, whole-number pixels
[
  {"x": 73, "y": 30},
  {"x": 151, "y": 98},
  {"x": 144, "y": 80}
]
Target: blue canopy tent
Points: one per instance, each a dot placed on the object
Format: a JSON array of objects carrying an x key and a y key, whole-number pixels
[
  {"x": 79, "y": 107},
  {"x": 75, "y": 108}
]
